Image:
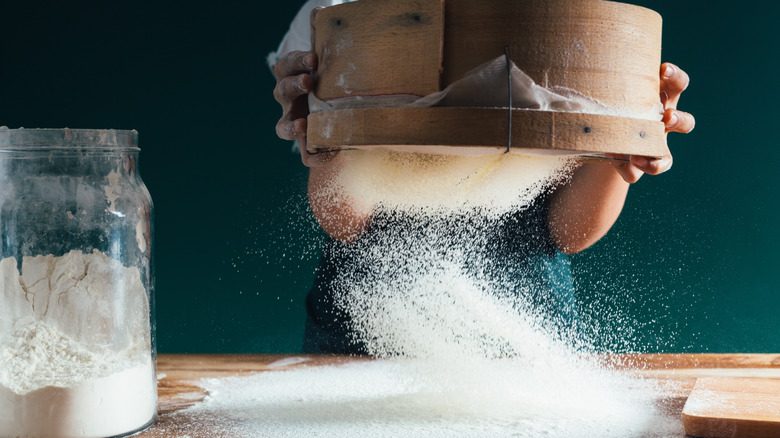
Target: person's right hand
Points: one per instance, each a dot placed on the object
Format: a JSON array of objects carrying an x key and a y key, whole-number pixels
[{"x": 294, "y": 81}]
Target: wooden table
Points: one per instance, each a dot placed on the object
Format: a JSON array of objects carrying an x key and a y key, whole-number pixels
[{"x": 179, "y": 376}]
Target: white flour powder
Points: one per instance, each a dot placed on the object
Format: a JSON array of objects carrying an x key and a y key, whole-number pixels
[
  {"x": 433, "y": 183},
  {"x": 466, "y": 347},
  {"x": 75, "y": 353},
  {"x": 461, "y": 360},
  {"x": 431, "y": 399}
]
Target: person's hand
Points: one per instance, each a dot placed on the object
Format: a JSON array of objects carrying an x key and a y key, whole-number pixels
[
  {"x": 673, "y": 82},
  {"x": 294, "y": 82}
]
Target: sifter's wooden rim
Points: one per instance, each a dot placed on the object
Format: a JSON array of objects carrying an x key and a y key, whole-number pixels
[{"x": 457, "y": 129}]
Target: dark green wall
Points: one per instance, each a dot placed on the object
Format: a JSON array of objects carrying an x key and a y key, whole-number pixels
[{"x": 691, "y": 265}]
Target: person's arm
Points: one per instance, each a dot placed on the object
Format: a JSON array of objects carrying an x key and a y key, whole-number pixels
[
  {"x": 583, "y": 210},
  {"x": 341, "y": 216}
]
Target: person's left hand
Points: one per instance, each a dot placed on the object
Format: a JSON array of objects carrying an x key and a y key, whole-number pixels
[{"x": 673, "y": 82}]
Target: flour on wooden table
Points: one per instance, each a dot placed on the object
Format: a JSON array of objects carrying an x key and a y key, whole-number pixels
[{"x": 417, "y": 398}]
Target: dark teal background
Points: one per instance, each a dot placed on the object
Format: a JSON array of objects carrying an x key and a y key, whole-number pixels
[{"x": 691, "y": 265}]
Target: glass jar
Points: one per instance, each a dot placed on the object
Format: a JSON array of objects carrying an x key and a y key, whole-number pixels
[{"x": 77, "y": 352}]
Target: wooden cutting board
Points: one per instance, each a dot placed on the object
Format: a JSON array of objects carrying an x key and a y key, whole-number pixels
[{"x": 721, "y": 407}]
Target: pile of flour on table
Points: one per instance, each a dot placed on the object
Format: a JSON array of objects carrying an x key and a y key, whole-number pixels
[{"x": 75, "y": 348}]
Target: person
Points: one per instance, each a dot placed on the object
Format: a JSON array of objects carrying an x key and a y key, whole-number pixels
[{"x": 570, "y": 219}]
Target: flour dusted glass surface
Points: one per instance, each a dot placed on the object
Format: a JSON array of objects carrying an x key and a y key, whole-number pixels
[{"x": 77, "y": 355}]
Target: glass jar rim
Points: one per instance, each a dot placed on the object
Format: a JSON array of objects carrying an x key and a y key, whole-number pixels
[{"x": 66, "y": 138}]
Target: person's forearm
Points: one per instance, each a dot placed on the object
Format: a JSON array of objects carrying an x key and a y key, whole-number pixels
[
  {"x": 582, "y": 211},
  {"x": 342, "y": 216}
]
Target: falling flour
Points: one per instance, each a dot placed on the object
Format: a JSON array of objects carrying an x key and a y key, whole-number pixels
[
  {"x": 468, "y": 343},
  {"x": 440, "y": 183},
  {"x": 75, "y": 352}
]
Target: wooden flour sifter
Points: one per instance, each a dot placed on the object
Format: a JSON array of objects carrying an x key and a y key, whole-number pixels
[{"x": 371, "y": 51}]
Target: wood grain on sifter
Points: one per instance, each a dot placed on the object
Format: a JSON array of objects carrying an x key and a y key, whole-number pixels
[{"x": 371, "y": 50}]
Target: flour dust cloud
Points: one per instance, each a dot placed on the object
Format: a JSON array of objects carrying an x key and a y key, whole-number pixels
[{"x": 456, "y": 288}]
